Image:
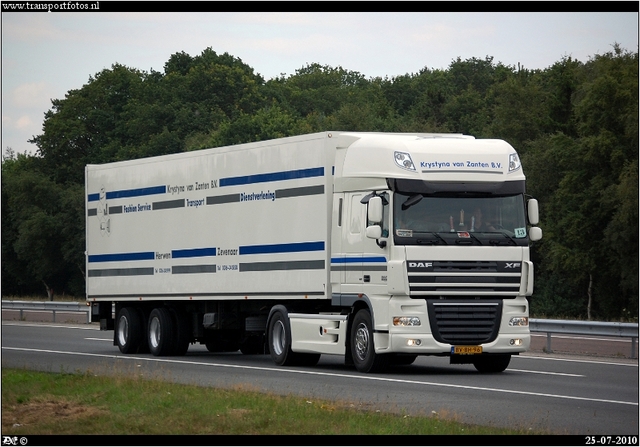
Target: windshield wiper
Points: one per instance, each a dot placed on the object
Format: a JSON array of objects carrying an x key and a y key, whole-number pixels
[
  {"x": 411, "y": 201},
  {"x": 439, "y": 238},
  {"x": 509, "y": 238}
]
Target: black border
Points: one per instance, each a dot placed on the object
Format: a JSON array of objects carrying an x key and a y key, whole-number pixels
[
  {"x": 306, "y": 440},
  {"x": 331, "y": 6}
]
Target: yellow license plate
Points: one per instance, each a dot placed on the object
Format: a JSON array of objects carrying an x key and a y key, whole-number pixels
[{"x": 464, "y": 350}]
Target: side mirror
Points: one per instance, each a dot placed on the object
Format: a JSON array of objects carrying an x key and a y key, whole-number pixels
[
  {"x": 535, "y": 233},
  {"x": 374, "y": 232},
  {"x": 532, "y": 211},
  {"x": 374, "y": 213}
]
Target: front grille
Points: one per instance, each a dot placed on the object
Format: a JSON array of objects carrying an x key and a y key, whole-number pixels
[
  {"x": 470, "y": 278},
  {"x": 464, "y": 322}
]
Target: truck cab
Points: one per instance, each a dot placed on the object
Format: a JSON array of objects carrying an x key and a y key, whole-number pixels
[{"x": 431, "y": 238}]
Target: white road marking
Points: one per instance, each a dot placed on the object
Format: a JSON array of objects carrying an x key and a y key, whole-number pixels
[
  {"x": 546, "y": 372},
  {"x": 601, "y": 362},
  {"x": 45, "y": 324}
]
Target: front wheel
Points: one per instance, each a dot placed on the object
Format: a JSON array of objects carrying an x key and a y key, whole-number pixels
[{"x": 363, "y": 351}]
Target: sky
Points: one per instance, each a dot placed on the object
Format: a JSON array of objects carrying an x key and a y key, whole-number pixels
[{"x": 45, "y": 55}]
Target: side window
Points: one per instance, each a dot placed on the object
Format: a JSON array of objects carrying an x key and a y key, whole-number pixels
[{"x": 357, "y": 212}]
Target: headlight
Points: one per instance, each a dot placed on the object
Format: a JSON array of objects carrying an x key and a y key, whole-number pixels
[
  {"x": 406, "y": 321},
  {"x": 519, "y": 321},
  {"x": 404, "y": 161},
  {"x": 514, "y": 162}
]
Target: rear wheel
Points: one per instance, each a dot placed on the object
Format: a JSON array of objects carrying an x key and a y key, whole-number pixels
[
  {"x": 363, "y": 352},
  {"x": 161, "y": 332},
  {"x": 492, "y": 363},
  {"x": 129, "y": 331}
]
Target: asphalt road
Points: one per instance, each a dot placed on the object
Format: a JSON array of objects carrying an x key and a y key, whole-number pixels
[{"x": 563, "y": 394}]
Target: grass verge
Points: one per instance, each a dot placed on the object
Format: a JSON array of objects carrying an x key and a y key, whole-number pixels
[{"x": 38, "y": 403}]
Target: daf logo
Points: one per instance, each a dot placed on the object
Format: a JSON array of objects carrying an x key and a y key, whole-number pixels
[
  {"x": 512, "y": 265},
  {"x": 420, "y": 264}
]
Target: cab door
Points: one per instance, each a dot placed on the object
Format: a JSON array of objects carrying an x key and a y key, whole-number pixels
[
  {"x": 353, "y": 243},
  {"x": 375, "y": 252},
  {"x": 362, "y": 261}
]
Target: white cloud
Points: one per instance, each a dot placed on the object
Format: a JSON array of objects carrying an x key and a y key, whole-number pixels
[
  {"x": 31, "y": 95},
  {"x": 25, "y": 123}
]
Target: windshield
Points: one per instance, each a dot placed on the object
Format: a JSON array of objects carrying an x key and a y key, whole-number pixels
[{"x": 423, "y": 219}]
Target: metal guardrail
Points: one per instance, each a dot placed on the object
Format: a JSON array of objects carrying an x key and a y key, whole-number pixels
[
  {"x": 574, "y": 327},
  {"x": 52, "y": 306},
  {"x": 593, "y": 328}
]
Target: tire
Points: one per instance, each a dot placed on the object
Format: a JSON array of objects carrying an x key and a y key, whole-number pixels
[
  {"x": 279, "y": 342},
  {"x": 129, "y": 332},
  {"x": 161, "y": 332},
  {"x": 279, "y": 337},
  {"x": 492, "y": 363},
  {"x": 363, "y": 352},
  {"x": 182, "y": 338}
]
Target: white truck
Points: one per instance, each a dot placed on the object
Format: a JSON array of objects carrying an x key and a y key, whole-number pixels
[{"x": 378, "y": 247}]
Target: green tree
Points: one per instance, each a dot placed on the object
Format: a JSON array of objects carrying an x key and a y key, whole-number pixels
[
  {"x": 560, "y": 82},
  {"x": 518, "y": 110},
  {"x": 77, "y": 129},
  {"x": 44, "y": 224},
  {"x": 316, "y": 89},
  {"x": 589, "y": 191},
  {"x": 419, "y": 100},
  {"x": 267, "y": 123}
]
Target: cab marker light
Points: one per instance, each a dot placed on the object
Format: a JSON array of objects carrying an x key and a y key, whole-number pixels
[{"x": 403, "y": 160}]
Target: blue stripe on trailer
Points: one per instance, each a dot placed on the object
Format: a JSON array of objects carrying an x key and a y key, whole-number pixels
[
  {"x": 282, "y": 248},
  {"x": 140, "y": 256},
  {"x": 272, "y": 177},
  {"x": 352, "y": 259},
  {"x": 193, "y": 252},
  {"x": 129, "y": 193}
]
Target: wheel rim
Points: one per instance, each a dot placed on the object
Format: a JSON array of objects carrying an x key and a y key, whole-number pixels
[
  {"x": 123, "y": 330},
  {"x": 361, "y": 339},
  {"x": 154, "y": 332},
  {"x": 278, "y": 338}
]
